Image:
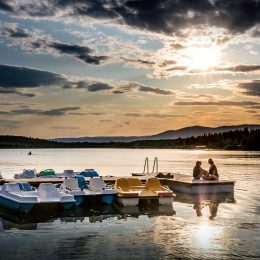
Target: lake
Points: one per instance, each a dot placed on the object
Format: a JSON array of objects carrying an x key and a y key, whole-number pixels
[{"x": 215, "y": 227}]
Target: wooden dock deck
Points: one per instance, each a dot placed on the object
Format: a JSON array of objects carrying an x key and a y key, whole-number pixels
[{"x": 179, "y": 183}]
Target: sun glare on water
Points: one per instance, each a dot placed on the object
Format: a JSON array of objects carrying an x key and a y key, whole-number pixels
[{"x": 203, "y": 58}]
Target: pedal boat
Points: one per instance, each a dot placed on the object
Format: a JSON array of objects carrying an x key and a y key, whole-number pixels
[
  {"x": 26, "y": 174},
  {"x": 20, "y": 196},
  {"x": 96, "y": 191},
  {"x": 131, "y": 191}
]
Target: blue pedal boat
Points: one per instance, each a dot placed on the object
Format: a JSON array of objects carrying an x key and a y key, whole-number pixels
[{"x": 96, "y": 191}]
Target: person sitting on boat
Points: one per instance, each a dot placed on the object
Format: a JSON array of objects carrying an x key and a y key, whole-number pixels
[
  {"x": 198, "y": 172},
  {"x": 213, "y": 172}
]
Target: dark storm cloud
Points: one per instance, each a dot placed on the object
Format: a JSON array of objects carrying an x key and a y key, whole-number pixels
[
  {"x": 250, "y": 88},
  {"x": 11, "y": 31},
  {"x": 155, "y": 90},
  {"x": 4, "y": 6},
  {"x": 13, "y": 79},
  {"x": 98, "y": 87},
  {"x": 52, "y": 112},
  {"x": 22, "y": 77},
  {"x": 90, "y": 86},
  {"x": 217, "y": 103},
  {"x": 34, "y": 42},
  {"x": 16, "y": 92},
  {"x": 161, "y": 16},
  {"x": 79, "y": 52}
]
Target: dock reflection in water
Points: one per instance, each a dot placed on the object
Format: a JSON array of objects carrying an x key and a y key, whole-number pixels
[
  {"x": 202, "y": 201},
  {"x": 22, "y": 221}
]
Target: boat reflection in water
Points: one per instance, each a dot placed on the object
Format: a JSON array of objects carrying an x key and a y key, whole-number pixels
[
  {"x": 202, "y": 201},
  {"x": 22, "y": 221}
]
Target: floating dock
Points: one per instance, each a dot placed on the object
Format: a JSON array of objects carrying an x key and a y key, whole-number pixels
[
  {"x": 186, "y": 184},
  {"x": 180, "y": 183}
]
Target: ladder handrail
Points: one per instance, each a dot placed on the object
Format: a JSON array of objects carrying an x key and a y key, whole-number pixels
[
  {"x": 146, "y": 170},
  {"x": 146, "y": 165},
  {"x": 155, "y": 165}
]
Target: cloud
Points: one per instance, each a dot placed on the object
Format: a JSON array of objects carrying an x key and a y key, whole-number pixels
[
  {"x": 250, "y": 88},
  {"x": 139, "y": 63},
  {"x": 136, "y": 87},
  {"x": 5, "y": 7},
  {"x": 105, "y": 120},
  {"x": 33, "y": 41},
  {"x": 9, "y": 123},
  {"x": 64, "y": 127},
  {"x": 79, "y": 52},
  {"x": 16, "y": 92},
  {"x": 158, "y": 16},
  {"x": 152, "y": 115},
  {"x": 187, "y": 70},
  {"x": 155, "y": 90},
  {"x": 91, "y": 86},
  {"x": 51, "y": 112},
  {"x": 23, "y": 77},
  {"x": 217, "y": 103},
  {"x": 238, "y": 68},
  {"x": 14, "y": 78}
]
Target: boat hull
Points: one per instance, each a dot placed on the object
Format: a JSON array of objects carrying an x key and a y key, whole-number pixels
[
  {"x": 128, "y": 202},
  {"x": 186, "y": 184},
  {"x": 14, "y": 205},
  {"x": 202, "y": 188},
  {"x": 99, "y": 199}
]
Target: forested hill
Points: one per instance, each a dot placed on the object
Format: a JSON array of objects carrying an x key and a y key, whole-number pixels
[{"x": 232, "y": 140}]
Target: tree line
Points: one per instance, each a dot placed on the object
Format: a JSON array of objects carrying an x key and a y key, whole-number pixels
[{"x": 232, "y": 140}]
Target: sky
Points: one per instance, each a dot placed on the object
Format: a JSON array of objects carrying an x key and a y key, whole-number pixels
[{"x": 71, "y": 68}]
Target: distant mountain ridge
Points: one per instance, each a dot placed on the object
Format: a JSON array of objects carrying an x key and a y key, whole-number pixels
[{"x": 167, "y": 135}]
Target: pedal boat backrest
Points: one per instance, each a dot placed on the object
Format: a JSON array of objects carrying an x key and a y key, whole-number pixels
[
  {"x": 136, "y": 184},
  {"x": 48, "y": 190},
  {"x": 123, "y": 188},
  {"x": 68, "y": 173},
  {"x": 12, "y": 187},
  {"x": 123, "y": 185},
  {"x": 71, "y": 184},
  {"x": 96, "y": 184},
  {"x": 154, "y": 185}
]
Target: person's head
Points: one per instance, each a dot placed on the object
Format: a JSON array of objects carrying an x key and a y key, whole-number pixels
[
  {"x": 210, "y": 161},
  {"x": 198, "y": 163}
]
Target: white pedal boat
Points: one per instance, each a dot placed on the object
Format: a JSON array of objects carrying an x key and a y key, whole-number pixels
[{"x": 21, "y": 197}]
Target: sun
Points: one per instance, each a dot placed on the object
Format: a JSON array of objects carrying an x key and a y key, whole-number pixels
[{"x": 203, "y": 58}]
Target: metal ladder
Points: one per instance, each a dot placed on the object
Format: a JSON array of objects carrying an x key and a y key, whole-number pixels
[{"x": 146, "y": 171}]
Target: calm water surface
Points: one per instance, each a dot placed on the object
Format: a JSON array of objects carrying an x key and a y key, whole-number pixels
[{"x": 216, "y": 227}]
